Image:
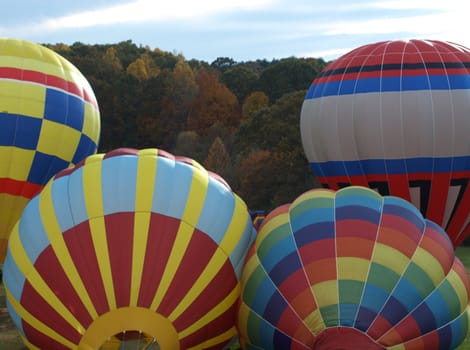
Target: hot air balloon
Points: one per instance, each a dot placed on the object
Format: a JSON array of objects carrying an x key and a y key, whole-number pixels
[
  {"x": 129, "y": 242},
  {"x": 352, "y": 270},
  {"x": 395, "y": 116},
  {"x": 49, "y": 119}
]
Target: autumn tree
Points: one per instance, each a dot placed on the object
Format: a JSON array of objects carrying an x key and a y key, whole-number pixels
[
  {"x": 111, "y": 59},
  {"x": 253, "y": 103},
  {"x": 213, "y": 103},
  {"x": 218, "y": 160},
  {"x": 258, "y": 180},
  {"x": 241, "y": 80}
]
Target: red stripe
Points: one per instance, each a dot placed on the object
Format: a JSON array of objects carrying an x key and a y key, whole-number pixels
[
  {"x": 296, "y": 290},
  {"x": 438, "y": 197},
  {"x": 80, "y": 245},
  {"x": 41, "y": 340},
  {"x": 216, "y": 327},
  {"x": 356, "y": 228},
  {"x": 49, "y": 81},
  {"x": 50, "y": 269},
  {"x": 19, "y": 188},
  {"x": 41, "y": 310},
  {"x": 440, "y": 248},
  {"x": 455, "y": 226},
  {"x": 292, "y": 326},
  {"x": 120, "y": 237},
  {"x": 198, "y": 254},
  {"x": 215, "y": 291},
  {"x": 162, "y": 233}
]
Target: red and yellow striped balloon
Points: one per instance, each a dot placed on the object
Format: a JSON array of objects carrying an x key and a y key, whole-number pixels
[
  {"x": 49, "y": 119},
  {"x": 129, "y": 241}
]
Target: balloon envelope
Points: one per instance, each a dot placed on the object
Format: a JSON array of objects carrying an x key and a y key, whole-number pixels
[
  {"x": 128, "y": 241},
  {"x": 395, "y": 116},
  {"x": 352, "y": 270},
  {"x": 49, "y": 119}
]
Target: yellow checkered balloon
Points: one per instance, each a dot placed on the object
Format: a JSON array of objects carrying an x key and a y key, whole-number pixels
[{"x": 49, "y": 120}]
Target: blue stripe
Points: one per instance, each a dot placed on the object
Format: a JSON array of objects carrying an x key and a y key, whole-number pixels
[
  {"x": 12, "y": 276},
  {"x": 217, "y": 212},
  {"x": 285, "y": 268},
  {"x": 373, "y": 298},
  {"x": 391, "y": 166},
  {"x": 32, "y": 233},
  {"x": 118, "y": 184},
  {"x": 20, "y": 131},
  {"x": 15, "y": 318},
  {"x": 86, "y": 146},
  {"x": 237, "y": 257},
  {"x": 44, "y": 167},
  {"x": 60, "y": 198},
  {"x": 311, "y": 217},
  {"x": 278, "y": 252},
  {"x": 172, "y": 185},
  {"x": 407, "y": 294},
  {"x": 315, "y": 232},
  {"x": 238, "y": 260},
  {"x": 388, "y": 84},
  {"x": 424, "y": 318},
  {"x": 64, "y": 108},
  {"x": 358, "y": 212},
  {"x": 77, "y": 197},
  {"x": 404, "y": 209}
]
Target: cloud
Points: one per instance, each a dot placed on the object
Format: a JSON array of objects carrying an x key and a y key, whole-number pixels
[{"x": 148, "y": 11}]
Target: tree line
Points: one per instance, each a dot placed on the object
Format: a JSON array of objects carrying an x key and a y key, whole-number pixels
[{"x": 238, "y": 119}]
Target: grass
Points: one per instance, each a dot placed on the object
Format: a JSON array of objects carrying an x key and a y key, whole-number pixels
[{"x": 10, "y": 340}]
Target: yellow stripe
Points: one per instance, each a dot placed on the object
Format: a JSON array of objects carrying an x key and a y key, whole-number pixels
[
  {"x": 314, "y": 322},
  {"x": 194, "y": 204},
  {"x": 429, "y": 264},
  {"x": 146, "y": 171},
  {"x": 270, "y": 226},
  {"x": 390, "y": 258},
  {"x": 313, "y": 194},
  {"x": 62, "y": 70},
  {"x": 250, "y": 266},
  {"x": 54, "y": 233},
  {"x": 211, "y": 269},
  {"x": 236, "y": 228},
  {"x": 28, "y": 344},
  {"x": 94, "y": 204},
  {"x": 459, "y": 288},
  {"x": 35, "y": 323},
  {"x": 223, "y": 337},
  {"x": 326, "y": 293},
  {"x": 40, "y": 286},
  {"x": 352, "y": 268},
  {"x": 23, "y": 98},
  {"x": 215, "y": 312},
  {"x": 228, "y": 244},
  {"x": 15, "y": 162}
]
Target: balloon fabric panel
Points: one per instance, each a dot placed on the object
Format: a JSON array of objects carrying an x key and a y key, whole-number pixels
[
  {"x": 49, "y": 119},
  {"x": 413, "y": 97},
  {"x": 136, "y": 246},
  {"x": 353, "y": 267}
]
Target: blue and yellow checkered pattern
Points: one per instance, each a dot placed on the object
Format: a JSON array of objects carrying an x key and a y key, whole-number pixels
[{"x": 49, "y": 119}]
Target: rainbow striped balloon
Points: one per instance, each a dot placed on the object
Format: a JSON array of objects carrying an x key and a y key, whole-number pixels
[
  {"x": 352, "y": 269},
  {"x": 49, "y": 119},
  {"x": 394, "y": 116},
  {"x": 129, "y": 241}
]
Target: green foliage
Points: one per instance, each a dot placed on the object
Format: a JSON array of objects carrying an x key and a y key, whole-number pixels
[{"x": 152, "y": 98}]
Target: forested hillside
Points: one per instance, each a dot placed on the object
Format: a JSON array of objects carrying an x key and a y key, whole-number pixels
[{"x": 238, "y": 119}]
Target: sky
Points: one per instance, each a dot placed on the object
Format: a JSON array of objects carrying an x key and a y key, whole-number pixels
[{"x": 243, "y": 30}]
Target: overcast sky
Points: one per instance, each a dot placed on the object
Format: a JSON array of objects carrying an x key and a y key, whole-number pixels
[{"x": 241, "y": 29}]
